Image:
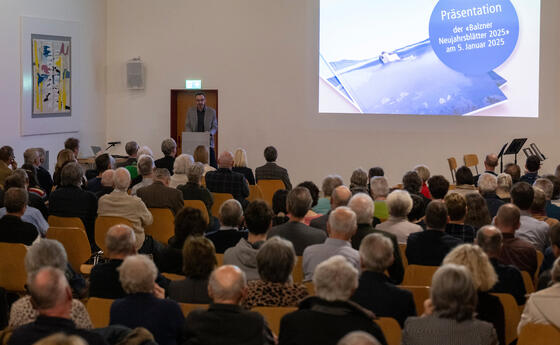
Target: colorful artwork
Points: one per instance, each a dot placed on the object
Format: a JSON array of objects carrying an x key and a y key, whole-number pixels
[{"x": 51, "y": 75}]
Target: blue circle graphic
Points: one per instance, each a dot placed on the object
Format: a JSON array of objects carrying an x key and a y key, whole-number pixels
[{"x": 475, "y": 36}]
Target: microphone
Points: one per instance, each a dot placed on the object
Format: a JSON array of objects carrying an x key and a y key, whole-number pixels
[{"x": 113, "y": 143}]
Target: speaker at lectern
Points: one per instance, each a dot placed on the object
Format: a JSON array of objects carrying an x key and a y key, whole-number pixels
[{"x": 193, "y": 139}]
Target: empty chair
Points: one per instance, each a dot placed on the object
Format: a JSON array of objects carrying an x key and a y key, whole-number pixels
[
  {"x": 162, "y": 227},
  {"x": 75, "y": 243},
  {"x": 99, "y": 310},
  {"x": 471, "y": 160},
  {"x": 269, "y": 187},
  {"x": 452, "y": 167}
]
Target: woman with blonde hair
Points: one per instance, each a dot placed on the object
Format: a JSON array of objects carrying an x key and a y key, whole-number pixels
[
  {"x": 240, "y": 165},
  {"x": 64, "y": 157},
  {"x": 489, "y": 308},
  {"x": 201, "y": 155}
]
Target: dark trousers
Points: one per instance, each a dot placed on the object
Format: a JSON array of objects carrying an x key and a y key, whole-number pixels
[{"x": 213, "y": 162}]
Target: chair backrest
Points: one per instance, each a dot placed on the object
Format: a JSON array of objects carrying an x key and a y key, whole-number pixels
[
  {"x": 186, "y": 308},
  {"x": 528, "y": 282},
  {"x": 219, "y": 199},
  {"x": 538, "y": 334},
  {"x": 66, "y": 222},
  {"x": 402, "y": 249},
  {"x": 199, "y": 205},
  {"x": 540, "y": 259},
  {"x": 269, "y": 187},
  {"x": 310, "y": 288},
  {"x": 102, "y": 225},
  {"x": 391, "y": 330},
  {"x": 219, "y": 259},
  {"x": 75, "y": 243},
  {"x": 12, "y": 269},
  {"x": 297, "y": 272},
  {"x": 273, "y": 315},
  {"x": 452, "y": 167},
  {"x": 471, "y": 160},
  {"x": 163, "y": 226},
  {"x": 420, "y": 294},
  {"x": 172, "y": 276},
  {"x": 511, "y": 315},
  {"x": 255, "y": 193},
  {"x": 99, "y": 310},
  {"x": 418, "y": 275}
]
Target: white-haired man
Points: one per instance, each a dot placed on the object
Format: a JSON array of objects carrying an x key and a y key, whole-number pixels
[
  {"x": 146, "y": 170},
  {"x": 487, "y": 186},
  {"x": 399, "y": 204},
  {"x": 341, "y": 227},
  {"x": 339, "y": 197},
  {"x": 227, "y": 287},
  {"x": 379, "y": 189},
  {"x": 231, "y": 217},
  {"x": 329, "y": 316}
]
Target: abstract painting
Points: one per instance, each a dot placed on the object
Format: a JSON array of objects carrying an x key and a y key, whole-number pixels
[{"x": 52, "y": 73}]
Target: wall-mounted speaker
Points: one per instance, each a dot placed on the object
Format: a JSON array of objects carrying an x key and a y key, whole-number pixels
[{"x": 135, "y": 74}]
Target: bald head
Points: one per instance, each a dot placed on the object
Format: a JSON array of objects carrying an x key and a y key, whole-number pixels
[
  {"x": 227, "y": 285},
  {"x": 491, "y": 161},
  {"x": 120, "y": 241},
  {"x": 122, "y": 179},
  {"x": 363, "y": 206},
  {"x": 340, "y": 196},
  {"x": 342, "y": 223},
  {"x": 489, "y": 238},
  {"x": 50, "y": 292},
  {"x": 225, "y": 160},
  {"x": 507, "y": 219},
  {"x": 108, "y": 178}
]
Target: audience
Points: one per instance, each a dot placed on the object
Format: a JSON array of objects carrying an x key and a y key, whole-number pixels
[
  {"x": 145, "y": 304},
  {"x": 478, "y": 214},
  {"x": 279, "y": 207},
  {"x": 341, "y": 227},
  {"x": 103, "y": 162},
  {"x": 515, "y": 251},
  {"x": 363, "y": 206},
  {"x": 240, "y": 165},
  {"x": 547, "y": 186},
  {"x": 465, "y": 181},
  {"x": 538, "y": 207},
  {"x": 271, "y": 170},
  {"x": 429, "y": 247},
  {"x": 359, "y": 182},
  {"x": 457, "y": 209},
  {"x": 314, "y": 191},
  {"x": 514, "y": 171},
  {"x": 487, "y": 186},
  {"x": 52, "y": 298},
  {"x": 297, "y": 204},
  {"x": 224, "y": 180},
  {"x": 532, "y": 166},
  {"x": 424, "y": 174},
  {"x": 379, "y": 189},
  {"x": 375, "y": 290},
  {"x": 399, "y": 204},
  {"x": 131, "y": 148},
  {"x": 146, "y": 170},
  {"x": 450, "y": 316},
  {"x": 227, "y": 288},
  {"x": 489, "y": 307},
  {"x": 42, "y": 254},
  {"x": 438, "y": 187},
  {"x": 329, "y": 184},
  {"x": 200, "y": 155},
  {"x": 159, "y": 194},
  {"x": 338, "y": 197},
  {"x": 31, "y": 214},
  {"x": 181, "y": 168},
  {"x": 231, "y": 218},
  {"x": 192, "y": 190},
  {"x": 12, "y": 228},
  {"x": 328, "y": 316},
  {"x": 510, "y": 281},
  {"x": 258, "y": 218},
  {"x": 169, "y": 150},
  {"x": 275, "y": 262},
  {"x": 107, "y": 183},
  {"x": 64, "y": 157},
  {"x": 530, "y": 229},
  {"x": 504, "y": 187}
]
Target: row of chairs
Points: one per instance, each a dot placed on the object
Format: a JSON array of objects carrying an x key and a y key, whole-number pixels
[{"x": 470, "y": 160}]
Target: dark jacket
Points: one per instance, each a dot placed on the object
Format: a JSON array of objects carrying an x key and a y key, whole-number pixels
[
  {"x": 299, "y": 234},
  {"x": 45, "y": 180},
  {"x": 272, "y": 171},
  {"x": 247, "y": 172},
  {"x": 226, "y": 238},
  {"x": 509, "y": 281},
  {"x": 429, "y": 247},
  {"x": 157, "y": 195},
  {"x": 189, "y": 290},
  {"x": 493, "y": 202},
  {"x": 193, "y": 191},
  {"x": 165, "y": 163},
  {"x": 490, "y": 309},
  {"x": 226, "y": 181},
  {"x": 318, "y": 321},
  {"x": 15, "y": 230},
  {"x": 376, "y": 293}
]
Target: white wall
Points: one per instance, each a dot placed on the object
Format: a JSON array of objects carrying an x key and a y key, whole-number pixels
[
  {"x": 262, "y": 56},
  {"x": 91, "y": 14}
]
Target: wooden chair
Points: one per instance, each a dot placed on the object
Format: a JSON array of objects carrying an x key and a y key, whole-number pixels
[
  {"x": 538, "y": 334},
  {"x": 273, "y": 315},
  {"x": 99, "y": 310},
  {"x": 12, "y": 270},
  {"x": 85, "y": 269},
  {"x": 188, "y": 307},
  {"x": 297, "y": 273},
  {"x": 102, "y": 225},
  {"x": 163, "y": 226},
  {"x": 540, "y": 259},
  {"x": 219, "y": 199},
  {"x": 391, "y": 330},
  {"x": 310, "y": 287},
  {"x": 471, "y": 160},
  {"x": 269, "y": 187},
  {"x": 220, "y": 259},
  {"x": 255, "y": 193},
  {"x": 172, "y": 276},
  {"x": 66, "y": 222},
  {"x": 452, "y": 167},
  {"x": 420, "y": 294},
  {"x": 511, "y": 315},
  {"x": 402, "y": 249},
  {"x": 418, "y": 275},
  {"x": 528, "y": 282},
  {"x": 199, "y": 205},
  {"x": 75, "y": 243}
]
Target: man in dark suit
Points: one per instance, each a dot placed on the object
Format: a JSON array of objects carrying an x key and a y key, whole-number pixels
[
  {"x": 339, "y": 197},
  {"x": 159, "y": 194},
  {"x": 375, "y": 291},
  {"x": 203, "y": 119},
  {"x": 227, "y": 287},
  {"x": 224, "y": 180},
  {"x": 12, "y": 228},
  {"x": 271, "y": 170},
  {"x": 429, "y": 247},
  {"x": 297, "y": 204},
  {"x": 510, "y": 281},
  {"x": 169, "y": 149}
]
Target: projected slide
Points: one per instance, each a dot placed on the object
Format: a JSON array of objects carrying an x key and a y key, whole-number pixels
[{"x": 429, "y": 57}]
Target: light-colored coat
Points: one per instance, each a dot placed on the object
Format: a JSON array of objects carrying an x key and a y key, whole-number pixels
[{"x": 542, "y": 307}]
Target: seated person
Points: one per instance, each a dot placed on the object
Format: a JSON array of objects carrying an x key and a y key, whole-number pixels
[
  {"x": 339, "y": 197},
  {"x": 12, "y": 228},
  {"x": 224, "y": 180},
  {"x": 201, "y": 155},
  {"x": 146, "y": 170},
  {"x": 314, "y": 191},
  {"x": 438, "y": 187},
  {"x": 43, "y": 175},
  {"x": 145, "y": 304},
  {"x": 379, "y": 190},
  {"x": 456, "y": 205},
  {"x": 549, "y": 184},
  {"x": 275, "y": 263},
  {"x": 530, "y": 229},
  {"x": 412, "y": 183},
  {"x": 258, "y": 218},
  {"x": 193, "y": 190},
  {"x": 478, "y": 214},
  {"x": 328, "y": 316},
  {"x": 271, "y": 170},
  {"x": 52, "y": 298},
  {"x": 227, "y": 287},
  {"x": 359, "y": 182},
  {"x": 487, "y": 186},
  {"x": 424, "y": 174},
  {"x": 37, "y": 197},
  {"x": 279, "y": 207},
  {"x": 358, "y": 338},
  {"x": 199, "y": 260},
  {"x": 329, "y": 184},
  {"x": 231, "y": 217},
  {"x": 399, "y": 204},
  {"x": 159, "y": 194},
  {"x": 7, "y": 163},
  {"x": 107, "y": 183},
  {"x": 375, "y": 291},
  {"x": 180, "y": 170},
  {"x": 538, "y": 207},
  {"x": 532, "y": 166},
  {"x": 131, "y": 148},
  {"x": 465, "y": 181},
  {"x": 169, "y": 150},
  {"x": 240, "y": 166},
  {"x": 103, "y": 162}
]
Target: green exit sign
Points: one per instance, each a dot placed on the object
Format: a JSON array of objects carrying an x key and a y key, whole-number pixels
[{"x": 193, "y": 84}]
